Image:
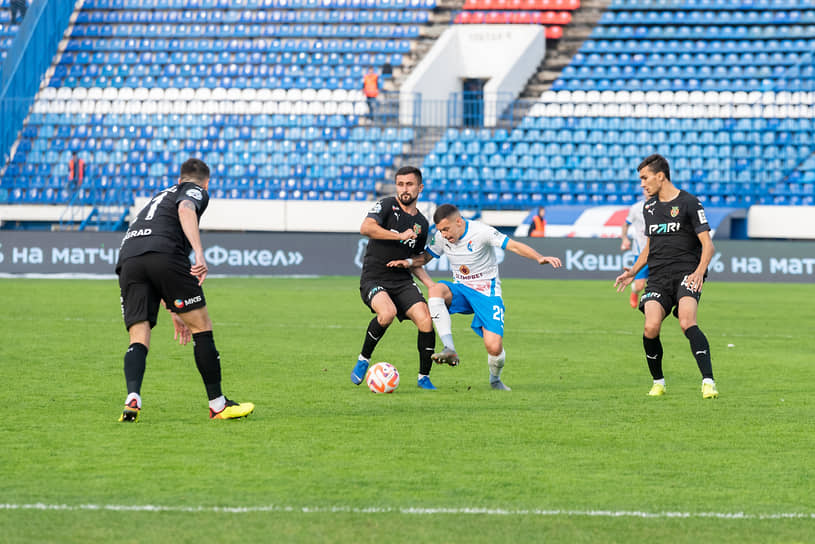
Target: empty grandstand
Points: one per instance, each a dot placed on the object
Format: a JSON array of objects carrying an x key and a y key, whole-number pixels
[{"x": 269, "y": 92}]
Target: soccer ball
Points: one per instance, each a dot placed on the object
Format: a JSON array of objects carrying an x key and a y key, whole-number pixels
[{"x": 382, "y": 378}]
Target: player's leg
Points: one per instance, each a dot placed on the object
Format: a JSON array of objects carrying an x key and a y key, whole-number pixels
[
  {"x": 439, "y": 299},
  {"x": 654, "y": 315},
  {"x": 140, "y": 304},
  {"x": 686, "y": 312},
  {"x": 419, "y": 313},
  {"x": 383, "y": 306},
  {"x": 208, "y": 362},
  {"x": 494, "y": 343}
]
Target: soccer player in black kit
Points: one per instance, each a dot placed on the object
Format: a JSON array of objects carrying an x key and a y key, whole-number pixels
[
  {"x": 154, "y": 266},
  {"x": 678, "y": 252},
  {"x": 397, "y": 231}
]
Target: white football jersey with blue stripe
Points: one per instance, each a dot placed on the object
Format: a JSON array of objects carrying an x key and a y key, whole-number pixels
[{"x": 472, "y": 258}]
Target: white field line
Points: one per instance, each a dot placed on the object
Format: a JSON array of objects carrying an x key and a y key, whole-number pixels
[{"x": 408, "y": 510}]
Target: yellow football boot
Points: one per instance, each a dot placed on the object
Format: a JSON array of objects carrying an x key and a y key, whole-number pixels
[
  {"x": 657, "y": 390},
  {"x": 131, "y": 412},
  {"x": 709, "y": 391},
  {"x": 233, "y": 410}
]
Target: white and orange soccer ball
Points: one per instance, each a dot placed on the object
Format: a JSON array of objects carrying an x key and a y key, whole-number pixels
[{"x": 382, "y": 378}]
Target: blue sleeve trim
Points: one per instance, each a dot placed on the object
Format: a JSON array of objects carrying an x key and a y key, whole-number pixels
[
  {"x": 506, "y": 241},
  {"x": 431, "y": 252}
]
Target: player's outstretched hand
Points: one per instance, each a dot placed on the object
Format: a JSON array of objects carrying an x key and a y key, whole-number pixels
[
  {"x": 182, "y": 332},
  {"x": 400, "y": 263},
  {"x": 199, "y": 269},
  {"x": 554, "y": 261},
  {"x": 623, "y": 280}
]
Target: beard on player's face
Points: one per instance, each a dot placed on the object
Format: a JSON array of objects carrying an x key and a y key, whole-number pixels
[{"x": 407, "y": 199}]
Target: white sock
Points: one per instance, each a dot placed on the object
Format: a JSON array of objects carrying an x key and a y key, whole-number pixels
[
  {"x": 661, "y": 381},
  {"x": 132, "y": 396},
  {"x": 442, "y": 321},
  {"x": 361, "y": 358},
  {"x": 218, "y": 404},
  {"x": 496, "y": 364},
  {"x": 704, "y": 381}
]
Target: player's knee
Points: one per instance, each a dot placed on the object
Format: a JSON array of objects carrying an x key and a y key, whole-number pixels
[
  {"x": 686, "y": 323},
  {"x": 494, "y": 347},
  {"x": 386, "y": 317},
  {"x": 651, "y": 330},
  {"x": 437, "y": 290}
]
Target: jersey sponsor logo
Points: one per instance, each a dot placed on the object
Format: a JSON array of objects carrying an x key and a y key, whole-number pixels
[
  {"x": 136, "y": 233},
  {"x": 464, "y": 270},
  {"x": 195, "y": 193},
  {"x": 674, "y": 211},
  {"x": 702, "y": 218},
  {"x": 178, "y": 303},
  {"x": 663, "y": 228}
]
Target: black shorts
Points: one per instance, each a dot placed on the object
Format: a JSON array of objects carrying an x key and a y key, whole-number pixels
[
  {"x": 667, "y": 288},
  {"x": 404, "y": 294},
  {"x": 147, "y": 279}
]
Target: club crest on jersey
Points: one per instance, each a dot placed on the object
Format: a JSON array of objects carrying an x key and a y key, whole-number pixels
[
  {"x": 674, "y": 211},
  {"x": 464, "y": 269},
  {"x": 417, "y": 228}
]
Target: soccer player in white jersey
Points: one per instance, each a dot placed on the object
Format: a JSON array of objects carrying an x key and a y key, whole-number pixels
[
  {"x": 476, "y": 289},
  {"x": 635, "y": 225}
]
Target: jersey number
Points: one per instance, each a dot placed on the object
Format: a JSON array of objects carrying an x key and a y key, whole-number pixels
[
  {"x": 498, "y": 314},
  {"x": 153, "y": 205}
]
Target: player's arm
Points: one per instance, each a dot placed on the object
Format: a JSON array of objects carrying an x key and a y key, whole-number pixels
[
  {"x": 520, "y": 248},
  {"x": 628, "y": 273},
  {"x": 422, "y": 275},
  {"x": 417, "y": 261},
  {"x": 697, "y": 278},
  {"x": 374, "y": 230},
  {"x": 188, "y": 217},
  {"x": 626, "y": 243}
]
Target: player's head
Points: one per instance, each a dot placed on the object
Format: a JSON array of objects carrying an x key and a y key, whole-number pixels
[
  {"x": 195, "y": 171},
  {"x": 449, "y": 222},
  {"x": 408, "y": 184},
  {"x": 654, "y": 172}
]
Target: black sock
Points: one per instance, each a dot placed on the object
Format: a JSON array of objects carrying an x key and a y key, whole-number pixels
[
  {"x": 372, "y": 337},
  {"x": 653, "y": 354},
  {"x": 208, "y": 362},
  {"x": 701, "y": 350},
  {"x": 427, "y": 344},
  {"x": 135, "y": 362}
]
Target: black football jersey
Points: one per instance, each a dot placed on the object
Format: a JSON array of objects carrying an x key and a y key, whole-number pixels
[
  {"x": 672, "y": 228},
  {"x": 157, "y": 229},
  {"x": 390, "y": 215}
]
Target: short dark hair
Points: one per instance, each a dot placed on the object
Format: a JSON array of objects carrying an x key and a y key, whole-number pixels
[
  {"x": 407, "y": 170},
  {"x": 195, "y": 169},
  {"x": 443, "y": 212},
  {"x": 656, "y": 163}
]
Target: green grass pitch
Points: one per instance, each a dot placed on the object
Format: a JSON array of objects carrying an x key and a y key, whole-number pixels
[{"x": 575, "y": 453}]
